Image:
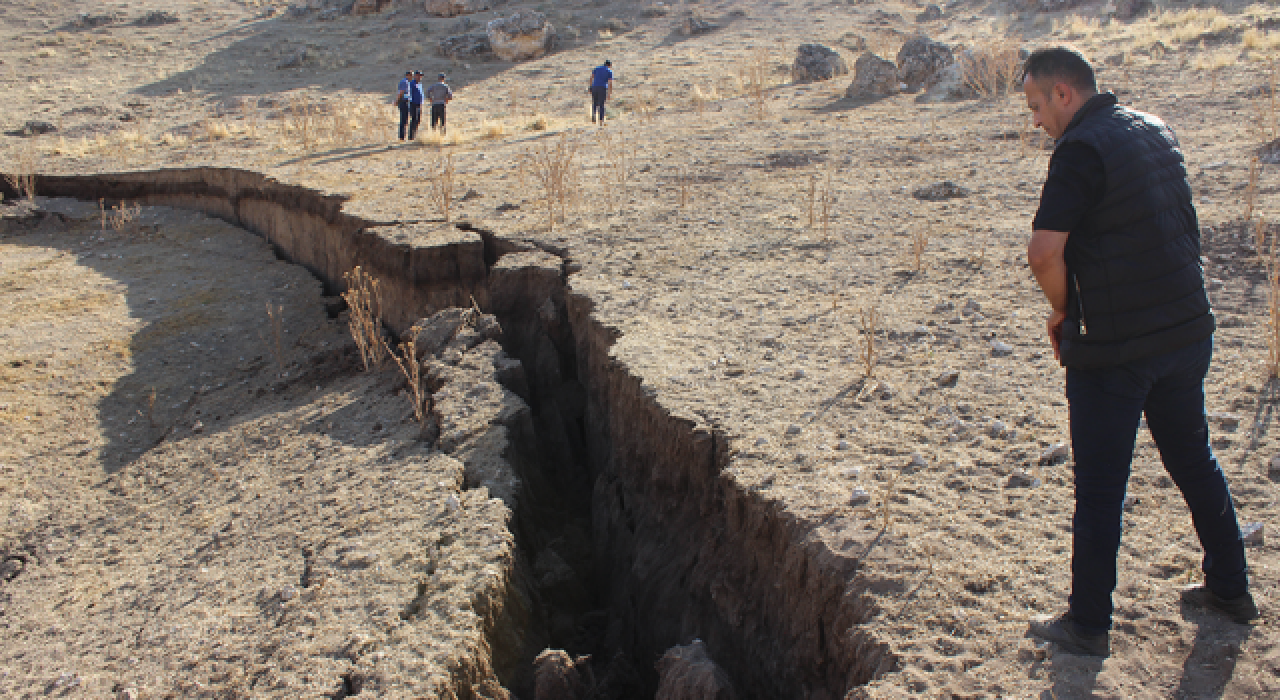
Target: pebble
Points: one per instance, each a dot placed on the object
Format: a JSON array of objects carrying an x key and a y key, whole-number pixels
[
  {"x": 1252, "y": 534},
  {"x": 859, "y": 497},
  {"x": 947, "y": 379},
  {"x": 1022, "y": 479},
  {"x": 794, "y": 429},
  {"x": 851, "y": 472},
  {"x": 1055, "y": 453},
  {"x": 918, "y": 461},
  {"x": 1130, "y": 501},
  {"x": 943, "y": 307},
  {"x": 1227, "y": 421},
  {"x": 842, "y": 445},
  {"x": 999, "y": 348},
  {"x": 1275, "y": 466},
  {"x": 970, "y": 307},
  {"x": 799, "y": 374},
  {"x": 288, "y": 593},
  {"x": 452, "y": 503},
  {"x": 998, "y": 429},
  {"x": 197, "y": 427},
  {"x": 761, "y": 442}
]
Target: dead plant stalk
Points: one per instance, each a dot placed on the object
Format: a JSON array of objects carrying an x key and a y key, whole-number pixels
[
  {"x": 870, "y": 320},
  {"x": 364, "y": 299},
  {"x": 411, "y": 369}
]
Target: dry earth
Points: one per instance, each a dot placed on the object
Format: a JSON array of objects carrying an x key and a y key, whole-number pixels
[{"x": 733, "y": 311}]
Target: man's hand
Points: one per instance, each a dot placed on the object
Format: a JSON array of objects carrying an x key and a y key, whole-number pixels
[{"x": 1054, "y": 325}]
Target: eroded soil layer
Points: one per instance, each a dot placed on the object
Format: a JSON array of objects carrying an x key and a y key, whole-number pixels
[{"x": 682, "y": 550}]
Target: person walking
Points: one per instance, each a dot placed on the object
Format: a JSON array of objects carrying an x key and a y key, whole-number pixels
[
  {"x": 402, "y": 101},
  {"x": 1115, "y": 247},
  {"x": 440, "y": 95},
  {"x": 601, "y": 88},
  {"x": 415, "y": 104}
]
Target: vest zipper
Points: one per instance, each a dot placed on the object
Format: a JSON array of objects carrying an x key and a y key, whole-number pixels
[{"x": 1080, "y": 305}]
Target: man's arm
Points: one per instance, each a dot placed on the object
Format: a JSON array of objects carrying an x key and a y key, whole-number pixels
[{"x": 1045, "y": 253}]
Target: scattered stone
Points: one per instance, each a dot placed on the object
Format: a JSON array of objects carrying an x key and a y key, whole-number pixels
[
  {"x": 794, "y": 429},
  {"x": 930, "y": 13},
  {"x": 87, "y": 21},
  {"x": 34, "y": 127},
  {"x": 999, "y": 348},
  {"x": 288, "y": 593},
  {"x": 297, "y": 59},
  {"x": 921, "y": 60},
  {"x": 843, "y": 445},
  {"x": 943, "y": 307},
  {"x": 10, "y": 568},
  {"x": 1130, "y": 502},
  {"x": 655, "y": 11},
  {"x": 453, "y": 8},
  {"x": 948, "y": 379},
  {"x": 127, "y": 694},
  {"x": 156, "y": 18},
  {"x": 329, "y": 14},
  {"x": 556, "y": 676},
  {"x": 859, "y": 497},
  {"x": 465, "y": 46},
  {"x": 997, "y": 429},
  {"x": 1023, "y": 479},
  {"x": 688, "y": 673},
  {"x": 1253, "y": 534},
  {"x": 693, "y": 24},
  {"x": 1053, "y": 454},
  {"x": 1275, "y": 466},
  {"x": 873, "y": 77},
  {"x": 799, "y": 374},
  {"x": 523, "y": 36},
  {"x": 1227, "y": 421},
  {"x": 817, "y": 62},
  {"x": 197, "y": 427},
  {"x": 918, "y": 461},
  {"x": 452, "y": 504},
  {"x": 970, "y": 307},
  {"x": 940, "y": 191}
]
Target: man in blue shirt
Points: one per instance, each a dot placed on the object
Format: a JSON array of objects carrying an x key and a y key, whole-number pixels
[
  {"x": 415, "y": 103},
  {"x": 402, "y": 100},
  {"x": 601, "y": 89}
]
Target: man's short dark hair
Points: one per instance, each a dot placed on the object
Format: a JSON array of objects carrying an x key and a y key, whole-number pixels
[
  {"x": 1060, "y": 65},
  {"x": 608, "y": 63}
]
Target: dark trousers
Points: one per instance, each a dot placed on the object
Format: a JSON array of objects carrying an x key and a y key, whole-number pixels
[
  {"x": 437, "y": 117},
  {"x": 598, "y": 95},
  {"x": 404, "y": 116},
  {"x": 415, "y": 118},
  {"x": 1105, "y": 407}
]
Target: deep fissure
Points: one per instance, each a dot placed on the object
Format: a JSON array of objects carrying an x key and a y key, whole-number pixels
[{"x": 664, "y": 545}]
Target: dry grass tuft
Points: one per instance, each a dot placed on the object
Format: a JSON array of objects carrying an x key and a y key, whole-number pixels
[
  {"x": 122, "y": 215},
  {"x": 411, "y": 369},
  {"x": 1273, "y": 310},
  {"x": 1251, "y": 193},
  {"x": 23, "y": 177},
  {"x": 364, "y": 299},
  {"x": 492, "y": 130},
  {"x": 540, "y": 123},
  {"x": 552, "y": 165},
  {"x": 621, "y": 160},
  {"x": 990, "y": 69},
  {"x": 870, "y": 321},
  {"x": 440, "y": 185},
  {"x": 755, "y": 82},
  {"x": 920, "y": 236}
]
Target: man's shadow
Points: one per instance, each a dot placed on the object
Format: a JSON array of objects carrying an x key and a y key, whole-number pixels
[{"x": 1212, "y": 661}]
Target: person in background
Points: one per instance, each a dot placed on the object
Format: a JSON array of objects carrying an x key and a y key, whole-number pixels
[
  {"x": 1115, "y": 247},
  {"x": 601, "y": 89},
  {"x": 439, "y": 94},
  {"x": 415, "y": 104},
  {"x": 402, "y": 101}
]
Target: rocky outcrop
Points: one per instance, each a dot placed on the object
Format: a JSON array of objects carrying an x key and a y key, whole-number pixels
[
  {"x": 692, "y": 23},
  {"x": 453, "y": 8},
  {"x": 1130, "y": 9},
  {"x": 817, "y": 62},
  {"x": 873, "y": 77},
  {"x": 523, "y": 36},
  {"x": 687, "y": 673},
  {"x": 929, "y": 14},
  {"x": 920, "y": 60}
]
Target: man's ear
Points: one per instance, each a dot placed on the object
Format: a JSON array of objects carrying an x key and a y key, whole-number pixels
[{"x": 1063, "y": 92}]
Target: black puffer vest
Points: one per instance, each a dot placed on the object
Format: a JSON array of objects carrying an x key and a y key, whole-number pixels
[{"x": 1135, "y": 286}]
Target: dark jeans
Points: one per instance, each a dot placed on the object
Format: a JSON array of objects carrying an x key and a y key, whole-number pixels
[
  {"x": 1106, "y": 406},
  {"x": 598, "y": 95},
  {"x": 415, "y": 118},
  {"x": 404, "y": 116},
  {"x": 437, "y": 117}
]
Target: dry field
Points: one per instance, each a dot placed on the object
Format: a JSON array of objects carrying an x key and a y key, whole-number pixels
[{"x": 876, "y": 360}]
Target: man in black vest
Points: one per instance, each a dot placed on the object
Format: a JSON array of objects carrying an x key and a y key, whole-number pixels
[{"x": 1116, "y": 249}]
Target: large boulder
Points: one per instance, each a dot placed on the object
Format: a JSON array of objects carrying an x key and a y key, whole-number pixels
[
  {"x": 817, "y": 62},
  {"x": 523, "y": 36},
  {"x": 873, "y": 77},
  {"x": 453, "y": 8},
  {"x": 921, "y": 60}
]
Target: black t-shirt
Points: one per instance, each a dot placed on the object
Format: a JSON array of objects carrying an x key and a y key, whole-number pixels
[{"x": 1076, "y": 184}]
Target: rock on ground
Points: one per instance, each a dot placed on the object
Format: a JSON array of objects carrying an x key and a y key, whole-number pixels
[
  {"x": 873, "y": 77},
  {"x": 687, "y": 673},
  {"x": 817, "y": 62},
  {"x": 465, "y": 46},
  {"x": 692, "y": 24},
  {"x": 369, "y": 7},
  {"x": 522, "y": 36},
  {"x": 920, "y": 60},
  {"x": 1129, "y": 9},
  {"x": 556, "y": 677},
  {"x": 453, "y": 8}
]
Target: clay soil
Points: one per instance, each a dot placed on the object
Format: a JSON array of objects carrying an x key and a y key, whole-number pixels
[{"x": 691, "y": 234}]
